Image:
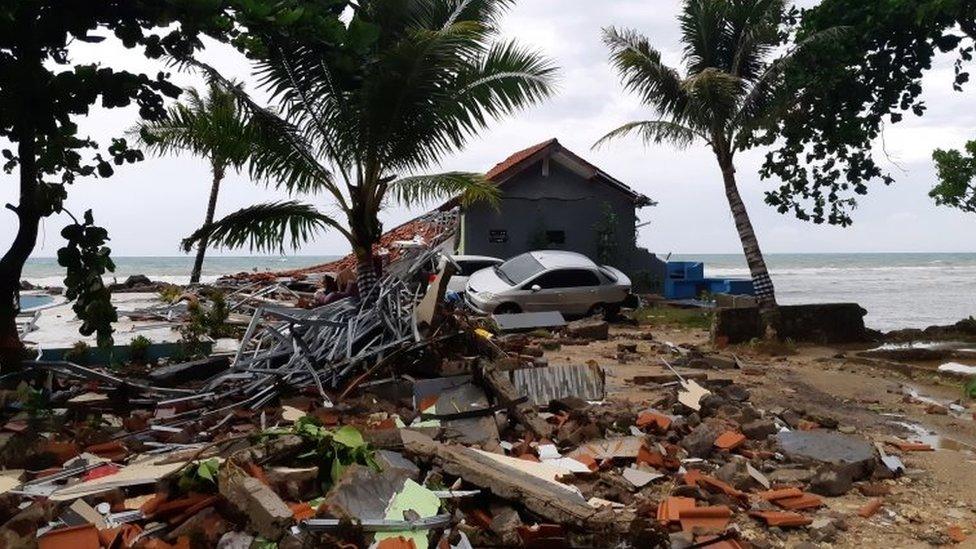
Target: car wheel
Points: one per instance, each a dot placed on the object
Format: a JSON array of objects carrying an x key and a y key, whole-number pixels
[
  {"x": 604, "y": 311},
  {"x": 507, "y": 309}
]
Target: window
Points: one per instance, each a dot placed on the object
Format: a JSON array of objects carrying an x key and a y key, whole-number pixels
[
  {"x": 519, "y": 269},
  {"x": 498, "y": 236},
  {"x": 556, "y": 237},
  {"x": 468, "y": 268},
  {"x": 567, "y": 278}
]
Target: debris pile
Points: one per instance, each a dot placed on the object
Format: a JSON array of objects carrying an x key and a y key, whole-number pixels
[{"x": 405, "y": 423}]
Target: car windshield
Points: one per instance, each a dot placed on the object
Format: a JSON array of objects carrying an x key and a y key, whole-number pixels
[{"x": 519, "y": 269}]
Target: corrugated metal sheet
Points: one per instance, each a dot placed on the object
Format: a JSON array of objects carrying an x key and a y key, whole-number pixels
[{"x": 552, "y": 382}]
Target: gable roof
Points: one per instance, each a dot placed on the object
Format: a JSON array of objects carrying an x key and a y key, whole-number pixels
[{"x": 521, "y": 160}]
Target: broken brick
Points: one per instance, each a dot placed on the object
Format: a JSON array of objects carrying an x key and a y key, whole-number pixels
[
  {"x": 870, "y": 508},
  {"x": 781, "y": 519}
]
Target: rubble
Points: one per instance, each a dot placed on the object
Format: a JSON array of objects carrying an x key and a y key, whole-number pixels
[{"x": 402, "y": 421}]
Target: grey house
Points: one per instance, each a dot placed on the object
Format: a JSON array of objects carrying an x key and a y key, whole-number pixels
[{"x": 553, "y": 199}]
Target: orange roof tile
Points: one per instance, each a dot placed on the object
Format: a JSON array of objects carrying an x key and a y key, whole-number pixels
[
  {"x": 729, "y": 440},
  {"x": 517, "y": 158},
  {"x": 710, "y": 519},
  {"x": 670, "y": 509},
  {"x": 805, "y": 501},
  {"x": 781, "y": 518}
]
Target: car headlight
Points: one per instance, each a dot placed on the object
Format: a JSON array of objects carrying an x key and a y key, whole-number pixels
[{"x": 486, "y": 296}]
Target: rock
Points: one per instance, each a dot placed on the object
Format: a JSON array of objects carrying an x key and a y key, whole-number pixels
[
  {"x": 711, "y": 403},
  {"x": 629, "y": 348},
  {"x": 825, "y": 447},
  {"x": 589, "y": 328},
  {"x": 297, "y": 484},
  {"x": 759, "y": 429},
  {"x": 235, "y": 540},
  {"x": 505, "y": 522},
  {"x": 832, "y": 480},
  {"x": 736, "y": 473},
  {"x": 267, "y": 513},
  {"x": 735, "y": 393},
  {"x": 137, "y": 280},
  {"x": 791, "y": 476},
  {"x": 822, "y": 531},
  {"x": 700, "y": 442}
]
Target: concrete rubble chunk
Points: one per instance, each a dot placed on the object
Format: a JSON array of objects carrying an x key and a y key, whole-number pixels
[
  {"x": 825, "y": 446},
  {"x": 267, "y": 513},
  {"x": 364, "y": 493},
  {"x": 589, "y": 328},
  {"x": 700, "y": 442}
]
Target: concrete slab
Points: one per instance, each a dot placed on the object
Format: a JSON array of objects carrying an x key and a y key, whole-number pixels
[{"x": 57, "y": 328}]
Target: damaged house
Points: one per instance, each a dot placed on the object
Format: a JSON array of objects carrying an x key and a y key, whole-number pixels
[{"x": 554, "y": 199}]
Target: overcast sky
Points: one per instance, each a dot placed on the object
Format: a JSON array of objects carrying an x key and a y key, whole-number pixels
[{"x": 149, "y": 206}]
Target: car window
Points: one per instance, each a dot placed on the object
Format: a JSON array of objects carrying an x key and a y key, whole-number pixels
[
  {"x": 470, "y": 267},
  {"x": 519, "y": 269},
  {"x": 567, "y": 278}
]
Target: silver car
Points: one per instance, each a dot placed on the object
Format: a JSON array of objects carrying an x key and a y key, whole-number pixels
[
  {"x": 548, "y": 280},
  {"x": 466, "y": 266}
]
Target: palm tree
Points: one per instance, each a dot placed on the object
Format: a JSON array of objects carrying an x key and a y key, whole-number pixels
[
  {"x": 208, "y": 126},
  {"x": 433, "y": 77},
  {"x": 729, "y": 89}
]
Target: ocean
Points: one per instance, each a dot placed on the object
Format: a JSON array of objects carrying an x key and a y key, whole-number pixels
[{"x": 899, "y": 290}]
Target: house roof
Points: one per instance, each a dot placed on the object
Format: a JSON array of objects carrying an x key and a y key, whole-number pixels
[{"x": 521, "y": 160}]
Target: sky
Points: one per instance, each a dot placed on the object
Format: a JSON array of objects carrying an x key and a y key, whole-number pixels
[{"x": 148, "y": 207}]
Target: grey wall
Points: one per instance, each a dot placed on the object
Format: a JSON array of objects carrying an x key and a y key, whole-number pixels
[{"x": 533, "y": 203}]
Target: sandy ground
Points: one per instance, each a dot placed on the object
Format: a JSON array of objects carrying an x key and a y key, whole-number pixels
[{"x": 939, "y": 489}]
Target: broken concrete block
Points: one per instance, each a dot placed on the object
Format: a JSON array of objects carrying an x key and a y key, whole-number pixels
[
  {"x": 825, "y": 446},
  {"x": 700, "y": 442},
  {"x": 363, "y": 493},
  {"x": 759, "y": 429},
  {"x": 297, "y": 484},
  {"x": 589, "y": 328},
  {"x": 267, "y": 513}
]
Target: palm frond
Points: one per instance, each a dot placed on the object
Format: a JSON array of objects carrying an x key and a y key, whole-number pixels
[
  {"x": 714, "y": 97},
  {"x": 423, "y": 189},
  {"x": 643, "y": 72},
  {"x": 265, "y": 227},
  {"x": 654, "y": 132},
  {"x": 280, "y": 154}
]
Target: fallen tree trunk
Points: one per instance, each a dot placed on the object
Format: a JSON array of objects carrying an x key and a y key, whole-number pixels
[{"x": 549, "y": 500}]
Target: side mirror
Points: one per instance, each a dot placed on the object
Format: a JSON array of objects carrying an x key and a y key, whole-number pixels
[{"x": 536, "y": 288}]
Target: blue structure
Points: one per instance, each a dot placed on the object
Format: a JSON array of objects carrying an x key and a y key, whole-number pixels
[{"x": 686, "y": 280}]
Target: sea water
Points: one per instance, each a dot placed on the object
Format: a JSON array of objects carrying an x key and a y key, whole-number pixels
[{"x": 899, "y": 290}]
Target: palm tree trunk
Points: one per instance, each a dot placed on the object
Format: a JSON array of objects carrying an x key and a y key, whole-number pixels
[
  {"x": 765, "y": 292},
  {"x": 366, "y": 276},
  {"x": 218, "y": 177}
]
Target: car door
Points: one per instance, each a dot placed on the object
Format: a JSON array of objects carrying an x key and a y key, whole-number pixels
[{"x": 569, "y": 291}]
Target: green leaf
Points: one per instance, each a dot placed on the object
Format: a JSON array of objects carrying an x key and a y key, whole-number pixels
[{"x": 349, "y": 437}]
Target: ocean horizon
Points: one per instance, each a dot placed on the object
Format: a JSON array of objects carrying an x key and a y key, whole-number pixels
[{"x": 899, "y": 290}]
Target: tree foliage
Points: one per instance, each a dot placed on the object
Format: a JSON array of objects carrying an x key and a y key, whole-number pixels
[
  {"x": 957, "y": 178},
  {"x": 43, "y": 93},
  {"x": 358, "y": 116},
  {"x": 841, "y": 93}
]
